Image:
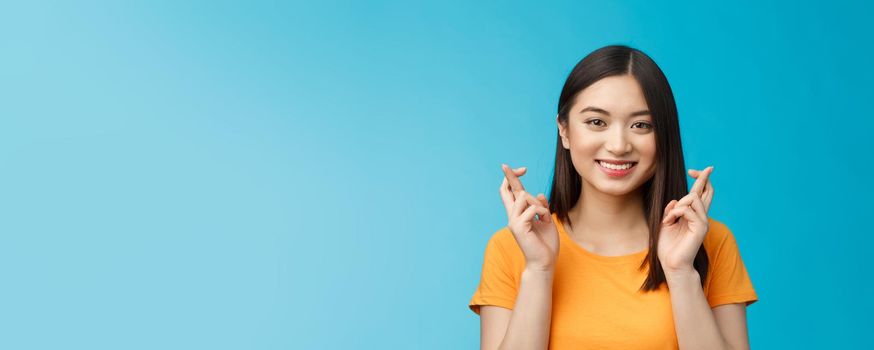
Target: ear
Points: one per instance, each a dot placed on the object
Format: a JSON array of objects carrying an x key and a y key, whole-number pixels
[{"x": 562, "y": 132}]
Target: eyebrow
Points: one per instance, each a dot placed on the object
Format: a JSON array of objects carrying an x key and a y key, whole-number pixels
[{"x": 599, "y": 110}]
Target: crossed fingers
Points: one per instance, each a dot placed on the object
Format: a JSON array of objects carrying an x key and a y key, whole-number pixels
[
  {"x": 699, "y": 198},
  {"x": 513, "y": 194}
]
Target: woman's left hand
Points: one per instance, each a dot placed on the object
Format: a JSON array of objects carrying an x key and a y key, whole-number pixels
[{"x": 679, "y": 240}]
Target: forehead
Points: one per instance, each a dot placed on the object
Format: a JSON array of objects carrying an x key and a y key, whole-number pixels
[{"x": 621, "y": 94}]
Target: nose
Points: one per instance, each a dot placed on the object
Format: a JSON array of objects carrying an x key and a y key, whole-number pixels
[{"x": 617, "y": 143}]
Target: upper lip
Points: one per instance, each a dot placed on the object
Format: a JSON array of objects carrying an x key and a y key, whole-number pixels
[{"x": 616, "y": 161}]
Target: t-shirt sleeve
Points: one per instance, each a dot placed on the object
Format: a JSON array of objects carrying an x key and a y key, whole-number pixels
[
  {"x": 729, "y": 282},
  {"x": 497, "y": 285}
]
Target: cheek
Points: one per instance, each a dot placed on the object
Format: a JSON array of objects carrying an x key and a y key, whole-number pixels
[
  {"x": 583, "y": 143},
  {"x": 648, "y": 152},
  {"x": 584, "y": 151},
  {"x": 647, "y": 148},
  {"x": 583, "y": 155}
]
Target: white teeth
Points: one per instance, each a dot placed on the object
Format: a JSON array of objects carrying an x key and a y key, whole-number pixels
[{"x": 615, "y": 167}]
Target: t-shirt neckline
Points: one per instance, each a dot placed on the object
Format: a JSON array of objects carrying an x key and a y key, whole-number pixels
[{"x": 568, "y": 241}]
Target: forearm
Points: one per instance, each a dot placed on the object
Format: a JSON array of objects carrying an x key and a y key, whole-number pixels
[
  {"x": 693, "y": 319},
  {"x": 529, "y": 324}
]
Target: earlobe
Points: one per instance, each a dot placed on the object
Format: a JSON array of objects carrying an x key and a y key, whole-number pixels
[{"x": 561, "y": 133}]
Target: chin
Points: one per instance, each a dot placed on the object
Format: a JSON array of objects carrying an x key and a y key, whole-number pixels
[{"x": 617, "y": 190}]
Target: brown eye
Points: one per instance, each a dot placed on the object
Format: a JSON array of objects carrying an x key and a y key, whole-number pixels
[
  {"x": 595, "y": 120},
  {"x": 646, "y": 125}
]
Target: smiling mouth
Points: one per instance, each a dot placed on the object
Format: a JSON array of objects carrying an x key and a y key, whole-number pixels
[{"x": 619, "y": 167}]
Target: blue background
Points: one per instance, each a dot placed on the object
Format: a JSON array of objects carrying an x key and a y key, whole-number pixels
[{"x": 241, "y": 175}]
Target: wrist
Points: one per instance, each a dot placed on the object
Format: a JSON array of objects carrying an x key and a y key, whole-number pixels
[
  {"x": 539, "y": 270},
  {"x": 682, "y": 275}
]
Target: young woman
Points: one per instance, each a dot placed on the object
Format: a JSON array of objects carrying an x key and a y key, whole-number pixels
[{"x": 622, "y": 255}]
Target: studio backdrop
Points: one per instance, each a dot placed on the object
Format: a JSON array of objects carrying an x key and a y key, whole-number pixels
[{"x": 324, "y": 175}]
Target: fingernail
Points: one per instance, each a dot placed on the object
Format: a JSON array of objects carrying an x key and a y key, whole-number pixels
[{"x": 523, "y": 168}]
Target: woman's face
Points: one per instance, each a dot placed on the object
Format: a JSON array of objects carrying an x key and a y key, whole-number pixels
[{"x": 610, "y": 121}]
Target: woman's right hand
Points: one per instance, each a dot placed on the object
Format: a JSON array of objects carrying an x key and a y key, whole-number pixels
[{"x": 538, "y": 239}]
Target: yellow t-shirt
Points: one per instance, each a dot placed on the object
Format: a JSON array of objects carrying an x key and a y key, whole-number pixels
[{"x": 595, "y": 298}]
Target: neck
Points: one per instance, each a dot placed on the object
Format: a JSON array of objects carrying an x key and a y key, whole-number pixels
[{"x": 603, "y": 217}]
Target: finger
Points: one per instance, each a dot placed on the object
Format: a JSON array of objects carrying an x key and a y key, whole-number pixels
[
  {"x": 543, "y": 200},
  {"x": 708, "y": 195},
  {"x": 506, "y": 197},
  {"x": 673, "y": 215},
  {"x": 515, "y": 184},
  {"x": 523, "y": 201},
  {"x": 694, "y": 173},
  {"x": 690, "y": 215},
  {"x": 676, "y": 213},
  {"x": 696, "y": 186},
  {"x": 528, "y": 214},
  {"x": 518, "y": 171},
  {"x": 707, "y": 186},
  {"x": 698, "y": 206},
  {"x": 686, "y": 200},
  {"x": 545, "y": 203},
  {"x": 519, "y": 205},
  {"x": 534, "y": 200},
  {"x": 671, "y": 205},
  {"x": 700, "y": 180}
]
